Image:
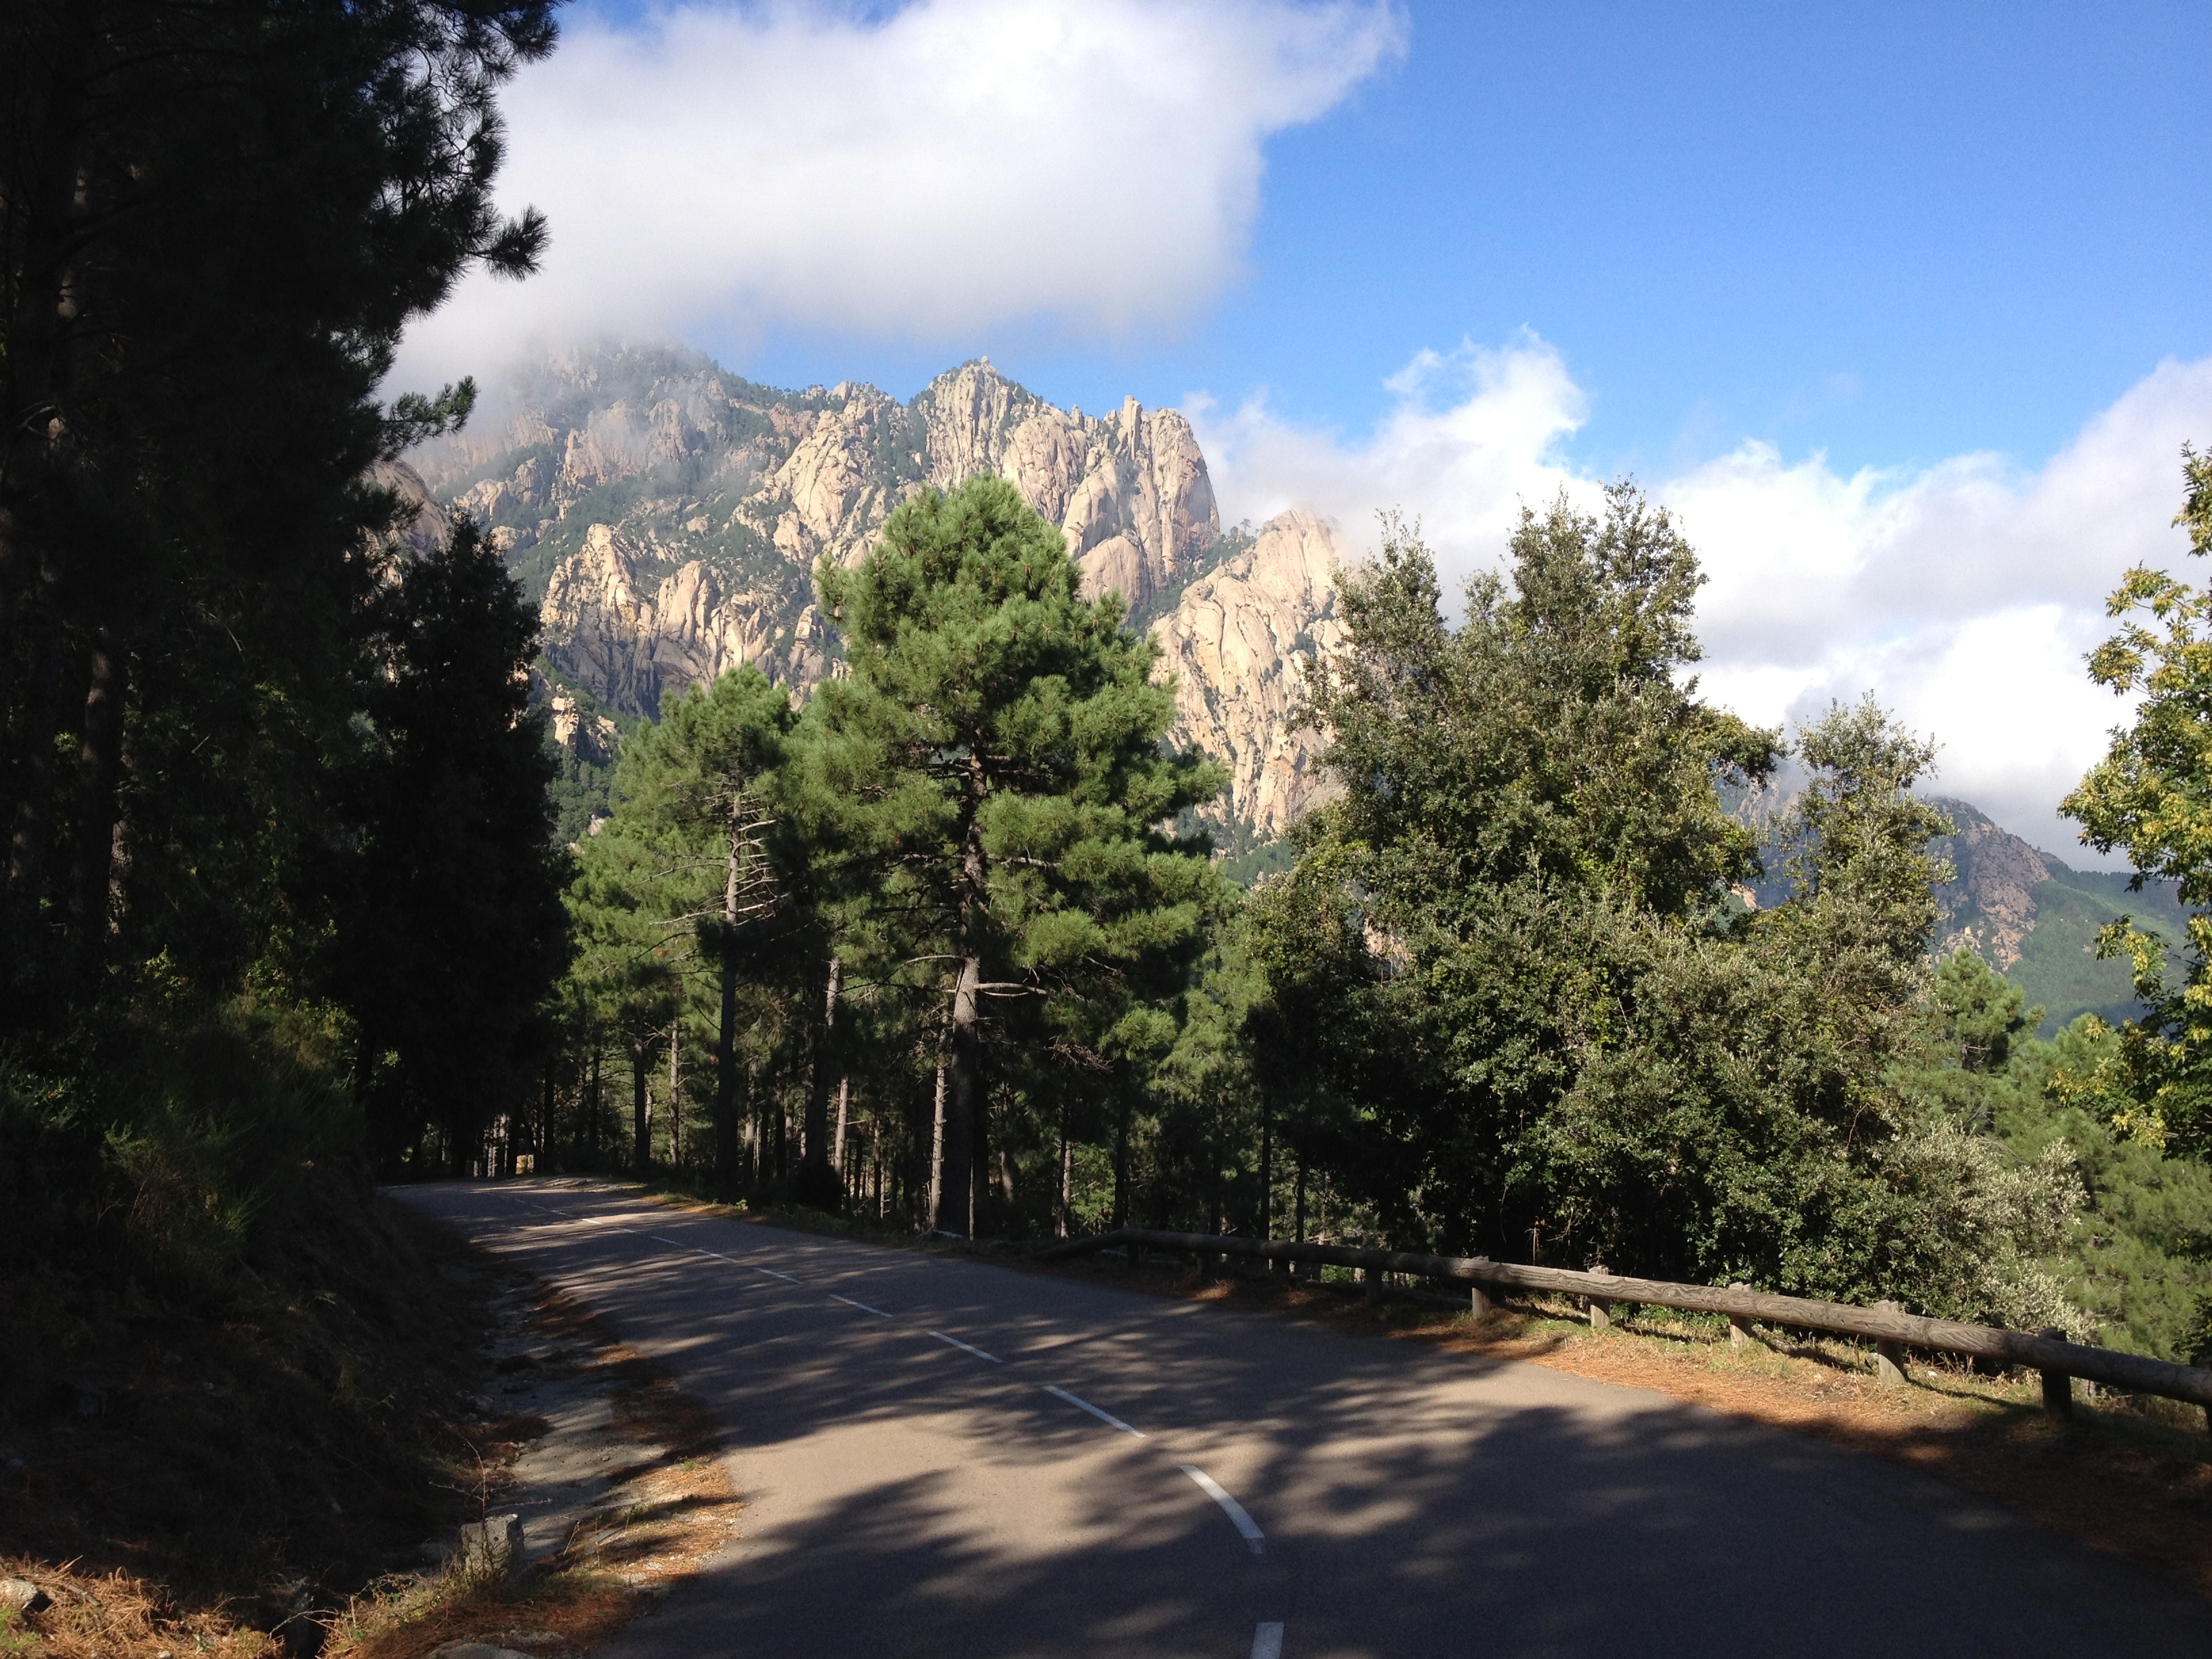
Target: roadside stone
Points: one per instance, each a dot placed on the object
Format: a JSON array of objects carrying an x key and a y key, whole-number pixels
[
  {"x": 473, "y": 1650},
  {"x": 492, "y": 1548},
  {"x": 23, "y": 1596}
]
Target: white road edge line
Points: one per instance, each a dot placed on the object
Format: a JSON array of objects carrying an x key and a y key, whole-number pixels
[
  {"x": 1107, "y": 1418},
  {"x": 671, "y": 1242},
  {"x": 862, "y": 1306},
  {"x": 968, "y": 1348},
  {"x": 1267, "y": 1640},
  {"x": 772, "y": 1273},
  {"x": 1230, "y": 1507}
]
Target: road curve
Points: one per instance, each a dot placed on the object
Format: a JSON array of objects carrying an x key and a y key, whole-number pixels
[{"x": 942, "y": 1458}]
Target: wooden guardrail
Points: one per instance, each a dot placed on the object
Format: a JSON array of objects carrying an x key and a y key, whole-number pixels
[{"x": 1891, "y": 1331}]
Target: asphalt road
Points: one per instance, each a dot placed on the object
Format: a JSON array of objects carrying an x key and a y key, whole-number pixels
[{"x": 943, "y": 1457}]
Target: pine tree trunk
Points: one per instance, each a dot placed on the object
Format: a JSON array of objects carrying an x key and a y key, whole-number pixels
[
  {"x": 1066, "y": 1172},
  {"x": 1121, "y": 1168},
  {"x": 640, "y": 1115},
  {"x": 45, "y": 182},
  {"x": 726, "y": 1037},
  {"x": 955, "y": 1207},
  {"x": 1267, "y": 1172},
  {"x": 544, "y": 1165},
  {"x": 937, "y": 1152},
  {"x": 675, "y": 1111},
  {"x": 819, "y": 1180},
  {"x": 44, "y": 718},
  {"x": 99, "y": 765},
  {"x": 595, "y": 1107},
  {"x": 844, "y": 1113}
]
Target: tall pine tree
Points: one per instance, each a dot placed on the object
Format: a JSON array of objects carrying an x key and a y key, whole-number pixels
[{"x": 1003, "y": 736}]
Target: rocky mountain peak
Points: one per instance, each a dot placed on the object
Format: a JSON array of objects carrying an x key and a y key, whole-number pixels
[
  {"x": 669, "y": 516},
  {"x": 1988, "y": 905}
]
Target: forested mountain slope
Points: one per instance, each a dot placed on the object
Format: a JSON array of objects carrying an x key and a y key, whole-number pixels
[
  {"x": 2035, "y": 919},
  {"x": 2026, "y": 912}
]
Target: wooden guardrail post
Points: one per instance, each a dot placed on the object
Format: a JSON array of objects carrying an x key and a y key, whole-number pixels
[
  {"x": 2058, "y": 1387},
  {"x": 1372, "y": 1283},
  {"x": 1600, "y": 1313},
  {"x": 1740, "y": 1336},
  {"x": 1478, "y": 1304},
  {"x": 1889, "y": 1356}
]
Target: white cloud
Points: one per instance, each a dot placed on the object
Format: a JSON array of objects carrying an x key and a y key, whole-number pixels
[
  {"x": 1463, "y": 469},
  {"x": 956, "y": 164},
  {"x": 1964, "y": 595}
]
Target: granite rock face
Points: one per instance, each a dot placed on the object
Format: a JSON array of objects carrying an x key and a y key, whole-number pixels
[
  {"x": 1237, "y": 641},
  {"x": 667, "y": 518},
  {"x": 1989, "y": 906}
]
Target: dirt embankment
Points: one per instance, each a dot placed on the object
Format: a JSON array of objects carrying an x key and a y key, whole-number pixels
[{"x": 283, "y": 1467}]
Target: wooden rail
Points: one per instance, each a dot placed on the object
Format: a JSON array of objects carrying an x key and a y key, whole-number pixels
[{"x": 2048, "y": 1353}]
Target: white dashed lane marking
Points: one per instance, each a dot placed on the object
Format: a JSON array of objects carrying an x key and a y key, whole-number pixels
[
  {"x": 1107, "y": 1418},
  {"x": 966, "y": 1347},
  {"x": 1230, "y": 1507}
]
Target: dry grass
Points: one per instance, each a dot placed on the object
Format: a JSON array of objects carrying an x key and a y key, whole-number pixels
[{"x": 119, "y": 1614}]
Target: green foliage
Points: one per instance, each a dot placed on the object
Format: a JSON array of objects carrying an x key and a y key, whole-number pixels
[
  {"x": 2137, "y": 1261},
  {"x": 583, "y": 785},
  {"x": 2124, "y": 1227},
  {"x": 1983, "y": 1014},
  {"x": 1001, "y": 739},
  {"x": 449, "y": 931},
  {"x": 1549, "y": 740},
  {"x": 2151, "y": 796},
  {"x": 173, "y": 1131},
  {"x": 1552, "y": 1033},
  {"x": 1515, "y": 790},
  {"x": 252, "y": 754}
]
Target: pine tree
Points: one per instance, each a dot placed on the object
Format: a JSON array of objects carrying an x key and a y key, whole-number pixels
[
  {"x": 451, "y": 935},
  {"x": 216, "y": 221},
  {"x": 1003, "y": 736},
  {"x": 699, "y": 794}
]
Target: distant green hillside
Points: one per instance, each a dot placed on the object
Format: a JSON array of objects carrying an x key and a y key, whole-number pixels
[
  {"x": 2057, "y": 966},
  {"x": 2027, "y": 914}
]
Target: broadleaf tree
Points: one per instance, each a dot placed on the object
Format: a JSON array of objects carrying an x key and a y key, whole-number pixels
[{"x": 2151, "y": 798}]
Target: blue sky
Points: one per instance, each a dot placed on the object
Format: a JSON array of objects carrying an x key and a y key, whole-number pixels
[
  {"x": 1893, "y": 232},
  {"x": 1905, "y": 311}
]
